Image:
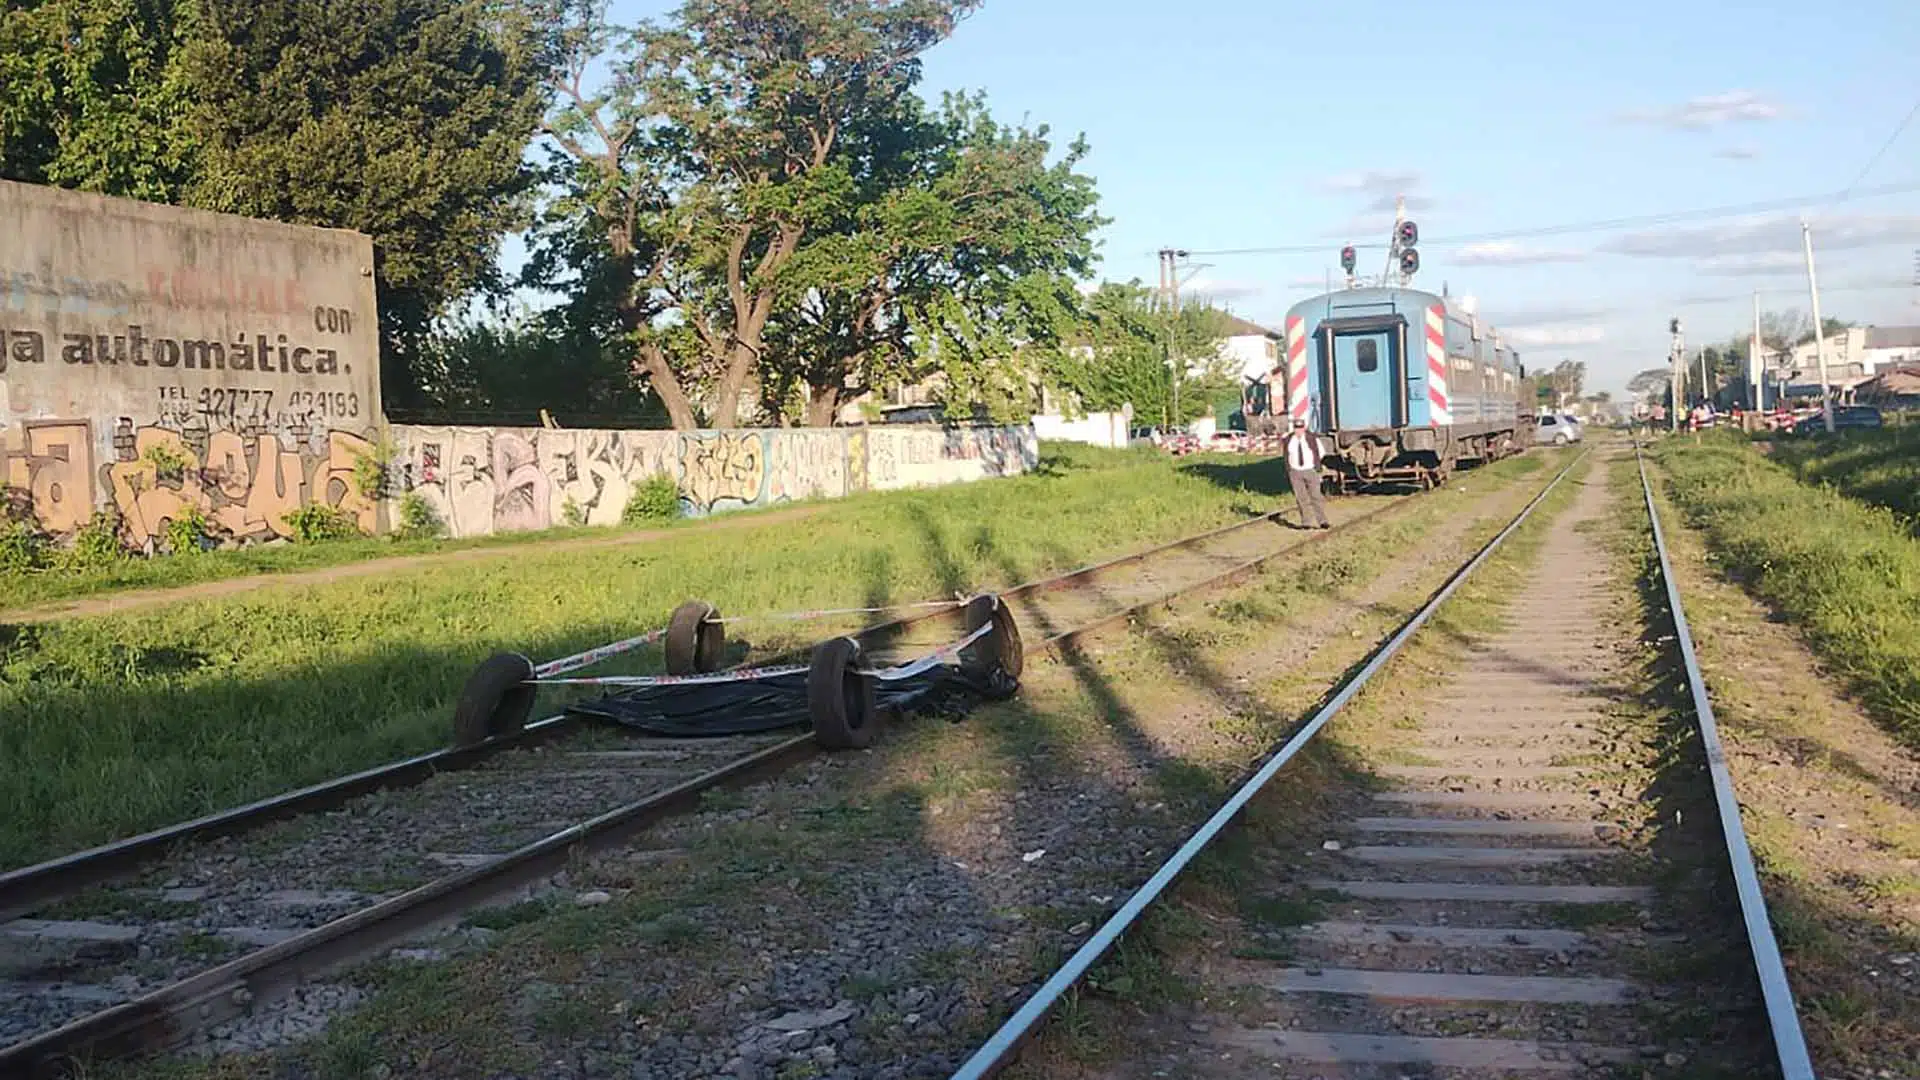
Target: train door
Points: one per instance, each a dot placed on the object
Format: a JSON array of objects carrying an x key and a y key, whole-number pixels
[{"x": 1366, "y": 379}]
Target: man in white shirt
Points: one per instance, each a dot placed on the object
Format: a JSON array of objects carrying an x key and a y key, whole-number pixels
[{"x": 1303, "y": 472}]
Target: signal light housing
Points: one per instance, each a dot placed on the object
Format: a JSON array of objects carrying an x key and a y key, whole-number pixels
[
  {"x": 1409, "y": 262},
  {"x": 1348, "y": 258},
  {"x": 1408, "y": 234}
]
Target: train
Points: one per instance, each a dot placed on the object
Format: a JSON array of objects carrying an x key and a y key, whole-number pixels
[{"x": 1401, "y": 385}]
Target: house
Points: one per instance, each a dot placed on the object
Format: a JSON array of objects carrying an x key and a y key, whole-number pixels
[
  {"x": 1254, "y": 349},
  {"x": 1856, "y": 353}
]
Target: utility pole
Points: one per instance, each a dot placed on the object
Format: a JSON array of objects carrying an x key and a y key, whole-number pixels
[
  {"x": 1756, "y": 371},
  {"x": 1706, "y": 384},
  {"x": 1819, "y": 329},
  {"x": 1677, "y": 361},
  {"x": 1166, "y": 312}
]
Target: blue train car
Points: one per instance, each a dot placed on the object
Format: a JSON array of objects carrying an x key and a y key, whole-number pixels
[{"x": 1401, "y": 385}]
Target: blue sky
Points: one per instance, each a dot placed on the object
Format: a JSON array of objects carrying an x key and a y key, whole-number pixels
[{"x": 1231, "y": 124}]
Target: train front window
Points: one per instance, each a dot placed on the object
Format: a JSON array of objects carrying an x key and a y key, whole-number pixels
[{"x": 1367, "y": 355}]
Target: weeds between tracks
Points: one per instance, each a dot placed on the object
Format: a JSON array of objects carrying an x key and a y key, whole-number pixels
[{"x": 898, "y": 880}]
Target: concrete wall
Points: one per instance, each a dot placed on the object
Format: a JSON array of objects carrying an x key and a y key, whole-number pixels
[
  {"x": 486, "y": 480},
  {"x": 1108, "y": 429},
  {"x": 154, "y": 358}
]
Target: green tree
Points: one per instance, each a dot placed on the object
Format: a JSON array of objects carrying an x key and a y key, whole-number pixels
[
  {"x": 1119, "y": 356},
  {"x": 956, "y": 254},
  {"x": 90, "y": 98},
  {"x": 403, "y": 119},
  {"x": 506, "y": 369},
  {"x": 712, "y": 157}
]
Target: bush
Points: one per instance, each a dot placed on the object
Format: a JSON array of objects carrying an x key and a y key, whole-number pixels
[
  {"x": 186, "y": 532},
  {"x": 417, "y": 519},
  {"x": 317, "y": 523},
  {"x": 96, "y": 545},
  {"x": 571, "y": 515},
  {"x": 373, "y": 471},
  {"x": 22, "y": 547},
  {"x": 657, "y": 499}
]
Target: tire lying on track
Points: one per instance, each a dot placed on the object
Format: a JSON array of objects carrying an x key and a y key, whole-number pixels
[
  {"x": 995, "y": 662},
  {"x": 696, "y": 642},
  {"x": 496, "y": 700},
  {"x": 839, "y": 698}
]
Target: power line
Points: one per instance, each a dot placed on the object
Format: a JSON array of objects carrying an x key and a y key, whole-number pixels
[
  {"x": 1604, "y": 225},
  {"x": 1884, "y": 147}
]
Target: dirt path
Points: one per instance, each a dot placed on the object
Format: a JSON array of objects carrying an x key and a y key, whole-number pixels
[
  {"x": 1500, "y": 905},
  {"x": 135, "y": 599}
]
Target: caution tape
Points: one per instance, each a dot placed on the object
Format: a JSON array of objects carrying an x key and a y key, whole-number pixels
[
  {"x": 908, "y": 670},
  {"x": 594, "y": 656},
  {"x": 821, "y": 613},
  {"x": 932, "y": 659}
]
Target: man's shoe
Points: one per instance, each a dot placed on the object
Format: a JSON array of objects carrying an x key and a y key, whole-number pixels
[{"x": 1324, "y": 525}]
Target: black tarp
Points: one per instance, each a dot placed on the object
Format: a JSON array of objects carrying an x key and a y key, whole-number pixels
[{"x": 762, "y": 705}]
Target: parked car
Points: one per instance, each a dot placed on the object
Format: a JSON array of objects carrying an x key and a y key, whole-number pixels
[
  {"x": 1556, "y": 428},
  {"x": 1845, "y": 417},
  {"x": 1228, "y": 442}
]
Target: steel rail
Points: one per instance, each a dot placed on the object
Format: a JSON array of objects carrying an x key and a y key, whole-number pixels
[
  {"x": 1783, "y": 1016},
  {"x": 170, "y": 1013},
  {"x": 27, "y": 889},
  {"x": 998, "y": 1051}
]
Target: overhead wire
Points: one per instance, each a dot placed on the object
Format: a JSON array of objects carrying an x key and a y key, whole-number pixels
[{"x": 1884, "y": 147}]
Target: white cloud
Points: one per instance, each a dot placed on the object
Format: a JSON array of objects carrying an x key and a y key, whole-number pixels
[
  {"x": 1378, "y": 182},
  {"x": 1364, "y": 228},
  {"x": 1777, "y": 233},
  {"x": 1545, "y": 315},
  {"x": 1737, "y": 153},
  {"x": 1557, "y": 336},
  {"x": 1708, "y": 112},
  {"x": 1221, "y": 290},
  {"x": 1505, "y": 253},
  {"x": 1416, "y": 204},
  {"x": 1756, "y": 264}
]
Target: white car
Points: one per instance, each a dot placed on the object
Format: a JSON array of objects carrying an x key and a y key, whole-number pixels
[{"x": 1557, "y": 428}]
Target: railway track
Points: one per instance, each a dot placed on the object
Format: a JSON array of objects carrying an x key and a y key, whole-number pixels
[
  {"x": 189, "y": 934},
  {"x": 1478, "y": 914}
]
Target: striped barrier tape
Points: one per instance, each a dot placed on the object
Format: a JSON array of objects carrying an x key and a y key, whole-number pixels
[
  {"x": 821, "y": 613},
  {"x": 594, "y": 656}
]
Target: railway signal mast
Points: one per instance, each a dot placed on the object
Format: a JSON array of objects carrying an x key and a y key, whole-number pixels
[{"x": 1402, "y": 260}]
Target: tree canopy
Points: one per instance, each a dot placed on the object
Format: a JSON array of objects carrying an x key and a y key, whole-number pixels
[
  {"x": 1120, "y": 356},
  {"x": 402, "y": 119},
  {"x": 747, "y": 211}
]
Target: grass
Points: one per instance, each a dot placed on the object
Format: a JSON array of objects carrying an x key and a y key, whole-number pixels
[
  {"x": 1880, "y": 467},
  {"x": 24, "y": 588},
  {"x": 1847, "y": 575},
  {"x": 115, "y": 724}
]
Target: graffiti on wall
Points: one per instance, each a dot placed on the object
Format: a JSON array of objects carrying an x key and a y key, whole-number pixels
[
  {"x": 480, "y": 481},
  {"x": 243, "y": 485}
]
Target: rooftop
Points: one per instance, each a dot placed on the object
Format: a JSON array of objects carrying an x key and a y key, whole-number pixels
[{"x": 1239, "y": 327}]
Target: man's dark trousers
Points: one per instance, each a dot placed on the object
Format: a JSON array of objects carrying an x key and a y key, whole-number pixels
[{"x": 1306, "y": 492}]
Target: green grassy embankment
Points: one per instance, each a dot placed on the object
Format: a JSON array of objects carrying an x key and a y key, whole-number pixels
[
  {"x": 22, "y": 589},
  {"x": 113, "y": 724},
  {"x": 1878, "y": 467},
  {"x": 1846, "y": 574}
]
